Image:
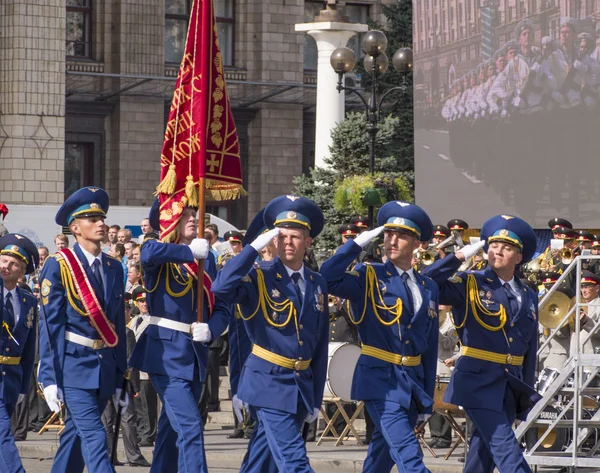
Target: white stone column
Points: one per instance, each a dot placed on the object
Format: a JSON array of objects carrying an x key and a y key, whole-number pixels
[{"x": 330, "y": 104}]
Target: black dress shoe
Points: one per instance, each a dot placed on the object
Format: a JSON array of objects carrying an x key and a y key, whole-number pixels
[
  {"x": 141, "y": 462},
  {"x": 118, "y": 463},
  {"x": 237, "y": 434},
  {"x": 247, "y": 436},
  {"x": 145, "y": 443},
  {"x": 433, "y": 443}
]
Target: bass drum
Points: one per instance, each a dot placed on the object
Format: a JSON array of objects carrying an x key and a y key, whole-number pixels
[
  {"x": 555, "y": 441},
  {"x": 343, "y": 358}
]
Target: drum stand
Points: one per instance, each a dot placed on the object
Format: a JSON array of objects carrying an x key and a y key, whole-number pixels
[
  {"x": 462, "y": 435},
  {"x": 330, "y": 427},
  {"x": 420, "y": 434}
]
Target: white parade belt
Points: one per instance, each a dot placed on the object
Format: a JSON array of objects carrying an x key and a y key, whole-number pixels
[
  {"x": 86, "y": 342},
  {"x": 172, "y": 324}
]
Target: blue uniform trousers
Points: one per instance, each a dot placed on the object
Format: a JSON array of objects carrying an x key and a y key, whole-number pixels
[
  {"x": 493, "y": 443},
  {"x": 180, "y": 436},
  {"x": 10, "y": 461},
  {"x": 393, "y": 440},
  {"x": 279, "y": 435},
  {"x": 83, "y": 441}
]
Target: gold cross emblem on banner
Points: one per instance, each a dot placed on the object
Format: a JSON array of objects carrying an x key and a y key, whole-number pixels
[{"x": 212, "y": 163}]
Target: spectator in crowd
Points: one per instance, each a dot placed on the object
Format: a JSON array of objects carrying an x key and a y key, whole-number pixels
[
  {"x": 133, "y": 276},
  {"x": 124, "y": 235},
  {"x": 61, "y": 241},
  {"x": 129, "y": 246},
  {"x": 146, "y": 228},
  {"x": 112, "y": 234}
]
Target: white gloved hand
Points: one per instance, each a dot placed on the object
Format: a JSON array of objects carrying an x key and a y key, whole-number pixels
[
  {"x": 201, "y": 333},
  {"x": 365, "y": 237},
  {"x": 470, "y": 250},
  {"x": 53, "y": 396},
  {"x": 263, "y": 240},
  {"x": 423, "y": 418},
  {"x": 200, "y": 248},
  {"x": 238, "y": 406},
  {"x": 310, "y": 418},
  {"x": 122, "y": 403},
  {"x": 20, "y": 398}
]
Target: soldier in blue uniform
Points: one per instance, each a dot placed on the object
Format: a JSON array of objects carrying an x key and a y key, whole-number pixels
[
  {"x": 284, "y": 307},
  {"x": 18, "y": 257},
  {"x": 395, "y": 309},
  {"x": 496, "y": 319},
  {"x": 173, "y": 349},
  {"x": 83, "y": 356}
]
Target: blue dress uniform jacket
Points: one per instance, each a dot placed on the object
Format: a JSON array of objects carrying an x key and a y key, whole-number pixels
[
  {"x": 478, "y": 383},
  {"x": 262, "y": 383},
  {"x": 15, "y": 379},
  {"x": 375, "y": 379},
  {"x": 68, "y": 364},
  {"x": 239, "y": 348},
  {"x": 172, "y": 294}
]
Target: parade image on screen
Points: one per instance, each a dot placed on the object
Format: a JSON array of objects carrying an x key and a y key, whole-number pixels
[{"x": 507, "y": 106}]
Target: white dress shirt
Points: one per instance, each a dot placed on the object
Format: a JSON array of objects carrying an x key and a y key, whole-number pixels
[
  {"x": 413, "y": 286},
  {"x": 91, "y": 258},
  {"x": 301, "y": 281},
  {"x": 15, "y": 303}
]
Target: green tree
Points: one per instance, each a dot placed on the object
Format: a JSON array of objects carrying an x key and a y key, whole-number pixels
[{"x": 350, "y": 149}]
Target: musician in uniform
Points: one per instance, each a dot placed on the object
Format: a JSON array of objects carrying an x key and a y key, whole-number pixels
[
  {"x": 285, "y": 312},
  {"x": 595, "y": 263},
  {"x": 18, "y": 257},
  {"x": 547, "y": 258},
  {"x": 372, "y": 251},
  {"x": 440, "y": 428},
  {"x": 459, "y": 226},
  {"x": 235, "y": 240},
  {"x": 496, "y": 319},
  {"x": 395, "y": 309},
  {"x": 588, "y": 315},
  {"x": 83, "y": 358},
  {"x": 173, "y": 349}
]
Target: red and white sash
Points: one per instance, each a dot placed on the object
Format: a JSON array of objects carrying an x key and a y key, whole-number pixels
[
  {"x": 97, "y": 316},
  {"x": 192, "y": 268}
]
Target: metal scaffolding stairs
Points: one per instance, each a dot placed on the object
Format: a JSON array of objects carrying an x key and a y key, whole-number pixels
[{"x": 566, "y": 395}]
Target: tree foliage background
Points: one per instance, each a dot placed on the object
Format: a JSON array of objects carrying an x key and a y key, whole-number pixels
[{"x": 350, "y": 150}]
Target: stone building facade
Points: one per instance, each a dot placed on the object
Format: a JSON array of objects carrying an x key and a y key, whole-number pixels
[{"x": 85, "y": 87}]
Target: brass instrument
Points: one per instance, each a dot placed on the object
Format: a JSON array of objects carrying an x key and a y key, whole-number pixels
[
  {"x": 554, "y": 310},
  {"x": 532, "y": 270},
  {"x": 427, "y": 257},
  {"x": 468, "y": 264},
  {"x": 566, "y": 255},
  {"x": 331, "y": 301}
]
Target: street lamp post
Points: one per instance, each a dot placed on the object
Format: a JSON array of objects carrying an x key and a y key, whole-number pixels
[{"x": 376, "y": 64}]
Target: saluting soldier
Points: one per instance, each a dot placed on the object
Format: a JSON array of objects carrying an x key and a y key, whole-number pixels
[
  {"x": 496, "y": 319},
  {"x": 395, "y": 309},
  {"x": 173, "y": 349},
  {"x": 18, "y": 257},
  {"x": 285, "y": 312},
  {"x": 83, "y": 358}
]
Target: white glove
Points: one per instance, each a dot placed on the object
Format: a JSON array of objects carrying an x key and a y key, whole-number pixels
[
  {"x": 263, "y": 240},
  {"x": 200, "y": 248},
  {"x": 122, "y": 403},
  {"x": 423, "y": 418},
  {"x": 471, "y": 250},
  {"x": 310, "y": 418},
  {"x": 20, "y": 398},
  {"x": 238, "y": 406},
  {"x": 201, "y": 333},
  {"x": 53, "y": 396},
  {"x": 365, "y": 237}
]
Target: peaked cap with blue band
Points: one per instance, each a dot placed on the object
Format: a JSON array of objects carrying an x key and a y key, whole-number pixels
[
  {"x": 86, "y": 202},
  {"x": 22, "y": 248},
  {"x": 154, "y": 215},
  {"x": 256, "y": 227},
  {"x": 513, "y": 230},
  {"x": 291, "y": 211},
  {"x": 405, "y": 217}
]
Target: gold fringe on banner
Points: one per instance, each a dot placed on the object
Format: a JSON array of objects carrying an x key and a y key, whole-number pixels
[
  {"x": 218, "y": 190},
  {"x": 191, "y": 191},
  {"x": 167, "y": 185}
]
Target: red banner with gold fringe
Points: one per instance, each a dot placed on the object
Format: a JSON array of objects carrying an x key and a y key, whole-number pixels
[{"x": 201, "y": 139}]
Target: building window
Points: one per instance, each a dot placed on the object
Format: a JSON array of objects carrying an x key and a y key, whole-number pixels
[
  {"x": 78, "y": 166},
  {"x": 355, "y": 12},
  {"x": 177, "y": 16},
  {"x": 79, "y": 28}
]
